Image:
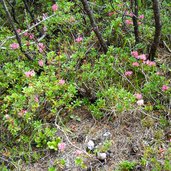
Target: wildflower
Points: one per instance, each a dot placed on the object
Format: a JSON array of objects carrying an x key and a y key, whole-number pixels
[
  {"x": 22, "y": 112},
  {"x": 139, "y": 23},
  {"x": 165, "y": 88},
  {"x": 61, "y": 82},
  {"x": 78, "y": 152},
  {"x": 150, "y": 63},
  {"x": 36, "y": 99},
  {"x": 141, "y": 16},
  {"x": 134, "y": 54},
  {"x": 61, "y": 146},
  {"x": 138, "y": 96},
  {"x": 135, "y": 64},
  {"x": 14, "y": 46},
  {"x": 18, "y": 31},
  {"x": 140, "y": 102},
  {"x": 41, "y": 47},
  {"x": 143, "y": 57},
  {"x": 41, "y": 63},
  {"x": 128, "y": 73},
  {"x": 78, "y": 39},
  {"x": 161, "y": 150},
  {"x": 54, "y": 7},
  {"x": 31, "y": 36},
  {"x": 128, "y": 22},
  {"x": 26, "y": 34},
  {"x": 30, "y": 73}
]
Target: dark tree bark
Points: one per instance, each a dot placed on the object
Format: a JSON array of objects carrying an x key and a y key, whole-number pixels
[
  {"x": 32, "y": 16},
  {"x": 134, "y": 7},
  {"x": 94, "y": 25},
  {"x": 135, "y": 21},
  {"x": 158, "y": 27},
  {"x": 15, "y": 31}
]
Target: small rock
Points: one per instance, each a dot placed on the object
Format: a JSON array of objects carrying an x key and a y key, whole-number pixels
[
  {"x": 101, "y": 156},
  {"x": 107, "y": 134},
  {"x": 90, "y": 145}
]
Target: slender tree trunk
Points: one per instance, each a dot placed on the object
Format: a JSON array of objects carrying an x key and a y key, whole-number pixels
[
  {"x": 134, "y": 7},
  {"x": 14, "y": 29},
  {"x": 94, "y": 25},
  {"x": 158, "y": 27}
]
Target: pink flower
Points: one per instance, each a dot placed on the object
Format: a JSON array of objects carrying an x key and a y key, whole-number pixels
[
  {"x": 134, "y": 54},
  {"x": 78, "y": 39},
  {"x": 140, "y": 102},
  {"x": 141, "y": 16},
  {"x": 26, "y": 34},
  {"x": 31, "y": 36},
  {"x": 78, "y": 152},
  {"x": 18, "y": 31},
  {"x": 165, "y": 88},
  {"x": 54, "y": 7},
  {"x": 135, "y": 64},
  {"x": 14, "y": 46},
  {"x": 41, "y": 47},
  {"x": 30, "y": 73},
  {"x": 150, "y": 63},
  {"x": 22, "y": 112},
  {"x": 139, "y": 23},
  {"x": 61, "y": 82},
  {"x": 61, "y": 146},
  {"x": 128, "y": 73},
  {"x": 138, "y": 96},
  {"x": 129, "y": 14},
  {"x": 36, "y": 99},
  {"x": 143, "y": 57},
  {"x": 41, "y": 63},
  {"x": 128, "y": 22}
]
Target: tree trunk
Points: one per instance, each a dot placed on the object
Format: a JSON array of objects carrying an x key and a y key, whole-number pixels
[{"x": 158, "y": 27}]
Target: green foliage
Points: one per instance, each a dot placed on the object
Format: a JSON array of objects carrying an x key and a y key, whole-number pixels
[
  {"x": 126, "y": 166},
  {"x": 31, "y": 104}
]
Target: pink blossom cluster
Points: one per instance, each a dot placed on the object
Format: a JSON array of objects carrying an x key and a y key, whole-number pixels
[
  {"x": 141, "y": 16},
  {"x": 29, "y": 73},
  {"x": 36, "y": 99},
  {"x": 61, "y": 82},
  {"x": 41, "y": 63},
  {"x": 79, "y": 39},
  {"x": 150, "y": 63},
  {"x": 165, "y": 88},
  {"x": 41, "y": 47},
  {"x": 139, "y": 98},
  {"x": 128, "y": 22},
  {"x": 128, "y": 73},
  {"x": 54, "y": 7},
  {"x": 22, "y": 113},
  {"x": 14, "y": 46},
  {"x": 61, "y": 146}
]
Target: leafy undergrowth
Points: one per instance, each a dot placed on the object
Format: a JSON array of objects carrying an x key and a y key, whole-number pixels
[{"x": 71, "y": 95}]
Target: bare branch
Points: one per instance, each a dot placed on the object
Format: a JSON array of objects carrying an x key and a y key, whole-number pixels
[{"x": 94, "y": 25}]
